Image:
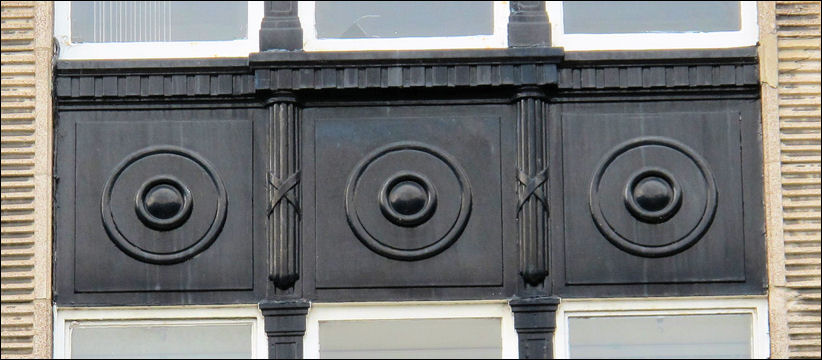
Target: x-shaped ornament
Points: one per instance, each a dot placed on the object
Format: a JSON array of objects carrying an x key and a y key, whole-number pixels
[
  {"x": 282, "y": 190},
  {"x": 532, "y": 188}
]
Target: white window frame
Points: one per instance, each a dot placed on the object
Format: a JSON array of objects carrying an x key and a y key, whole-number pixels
[
  {"x": 498, "y": 40},
  {"x": 757, "y": 307},
  {"x": 410, "y": 310},
  {"x": 66, "y": 319},
  {"x": 748, "y": 35},
  {"x": 155, "y": 50}
]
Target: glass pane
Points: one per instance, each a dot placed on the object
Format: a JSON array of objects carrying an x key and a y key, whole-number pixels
[
  {"x": 137, "y": 21},
  {"x": 615, "y": 17},
  {"x": 409, "y": 339},
  {"x": 655, "y": 337},
  {"x": 389, "y": 19},
  {"x": 195, "y": 341}
]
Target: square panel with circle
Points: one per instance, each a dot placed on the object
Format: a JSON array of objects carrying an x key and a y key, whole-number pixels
[
  {"x": 407, "y": 199},
  {"x": 656, "y": 197},
  {"x": 163, "y": 206}
]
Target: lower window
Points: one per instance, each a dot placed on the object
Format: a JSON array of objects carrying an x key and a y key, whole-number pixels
[
  {"x": 662, "y": 328},
  {"x": 410, "y": 330},
  {"x": 182, "y": 332}
]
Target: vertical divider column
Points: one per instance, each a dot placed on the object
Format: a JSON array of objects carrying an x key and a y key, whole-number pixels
[
  {"x": 284, "y": 319},
  {"x": 280, "y": 28},
  {"x": 283, "y": 179},
  {"x": 535, "y": 323},
  {"x": 532, "y": 176},
  {"x": 534, "y": 311},
  {"x": 285, "y": 327}
]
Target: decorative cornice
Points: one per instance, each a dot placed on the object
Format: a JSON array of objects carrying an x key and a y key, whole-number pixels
[
  {"x": 69, "y": 86},
  {"x": 659, "y": 69},
  {"x": 405, "y": 69},
  {"x": 262, "y": 73},
  {"x": 365, "y": 77},
  {"x": 658, "y": 76}
]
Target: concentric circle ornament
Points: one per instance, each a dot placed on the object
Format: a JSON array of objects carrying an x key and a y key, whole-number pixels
[
  {"x": 667, "y": 204},
  {"x": 394, "y": 205},
  {"x": 163, "y": 203},
  {"x": 653, "y": 195},
  {"x": 408, "y": 199},
  {"x": 165, "y": 225}
]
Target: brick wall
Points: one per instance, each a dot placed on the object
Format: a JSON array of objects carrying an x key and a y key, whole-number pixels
[{"x": 26, "y": 179}]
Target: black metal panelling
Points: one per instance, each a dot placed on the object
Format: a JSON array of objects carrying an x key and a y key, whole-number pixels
[
  {"x": 157, "y": 207},
  {"x": 499, "y": 113},
  {"x": 460, "y": 246},
  {"x": 703, "y": 236}
]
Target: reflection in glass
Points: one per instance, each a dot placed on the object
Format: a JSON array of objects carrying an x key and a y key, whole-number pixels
[
  {"x": 661, "y": 337},
  {"x": 192, "y": 341},
  {"x": 616, "y": 17},
  {"x": 153, "y": 21},
  {"x": 411, "y": 339},
  {"x": 391, "y": 19}
]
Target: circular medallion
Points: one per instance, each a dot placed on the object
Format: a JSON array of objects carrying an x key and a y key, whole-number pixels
[
  {"x": 408, "y": 201},
  {"x": 652, "y": 196},
  {"x": 163, "y": 205}
]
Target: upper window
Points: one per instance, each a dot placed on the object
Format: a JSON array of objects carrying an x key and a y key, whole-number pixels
[
  {"x": 156, "y": 29},
  {"x": 181, "y": 29},
  {"x": 635, "y": 25},
  {"x": 395, "y": 25}
]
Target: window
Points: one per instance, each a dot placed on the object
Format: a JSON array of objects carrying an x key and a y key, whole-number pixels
[
  {"x": 156, "y": 29},
  {"x": 419, "y": 338},
  {"x": 160, "y": 332},
  {"x": 663, "y": 328},
  {"x": 479, "y": 329},
  {"x": 636, "y": 25},
  {"x": 389, "y": 25},
  {"x": 180, "y": 29}
]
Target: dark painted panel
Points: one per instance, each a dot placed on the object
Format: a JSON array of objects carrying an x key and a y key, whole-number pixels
[
  {"x": 655, "y": 195},
  {"x": 662, "y": 150},
  {"x": 393, "y": 259},
  {"x": 455, "y": 240},
  {"x": 413, "y": 96},
  {"x": 175, "y": 225},
  {"x": 211, "y": 160}
]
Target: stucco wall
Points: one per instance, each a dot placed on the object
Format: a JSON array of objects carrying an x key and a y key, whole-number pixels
[
  {"x": 26, "y": 178},
  {"x": 790, "y": 72}
]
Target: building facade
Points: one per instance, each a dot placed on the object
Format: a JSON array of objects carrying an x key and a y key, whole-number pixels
[{"x": 295, "y": 190}]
